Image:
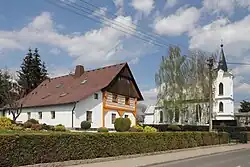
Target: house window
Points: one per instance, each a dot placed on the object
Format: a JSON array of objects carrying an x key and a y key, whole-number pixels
[
  {"x": 221, "y": 107},
  {"x": 127, "y": 101},
  {"x": 4, "y": 113},
  {"x": 29, "y": 114},
  {"x": 96, "y": 95},
  {"x": 113, "y": 118},
  {"x": 89, "y": 116},
  {"x": 40, "y": 115},
  {"x": 114, "y": 98},
  {"x": 125, "y": 116},
  {"x": 221, "y": 89},
  {"x": 53, "y": 114}
]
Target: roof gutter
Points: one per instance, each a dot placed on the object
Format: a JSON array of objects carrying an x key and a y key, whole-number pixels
[{"x": 73, "y": 115}]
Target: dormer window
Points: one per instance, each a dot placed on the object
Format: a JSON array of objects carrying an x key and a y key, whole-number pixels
[
  {"x": 221, "y": 89},
  {"x": 96, "y": 95}
]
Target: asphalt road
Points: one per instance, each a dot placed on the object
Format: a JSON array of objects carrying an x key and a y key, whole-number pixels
[{"x": 239, "y": 158}]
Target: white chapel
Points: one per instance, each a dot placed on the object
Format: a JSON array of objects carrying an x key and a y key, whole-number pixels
[{"x": 197, "y": 113}]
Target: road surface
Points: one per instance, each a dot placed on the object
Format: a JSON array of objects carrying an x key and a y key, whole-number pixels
[{"x": 239, "y": 158}]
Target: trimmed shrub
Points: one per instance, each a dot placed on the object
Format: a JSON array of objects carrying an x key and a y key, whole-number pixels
[
  {"x": 60, "y": 127},
  {"x": 149, "y": 129},
  {"x": 27, "y": 124},
  {"x": 85, "y": 125},
  {"x": 5, "y": 123},
  {"x": 102, "y": 129},
  {"x": 136, "y": 128},
  {"x": 18, "y": 128},
  {"x": 33, "y": 121},
  {"x": 122, "y": 124},
  {"x": 174, "y": 128},
  {"x": 52, "y": 147},
  {"x": 36, "y": 127},
  {"x": 45, "y": 127}
]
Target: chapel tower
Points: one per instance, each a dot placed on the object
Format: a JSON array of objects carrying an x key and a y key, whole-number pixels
[{"x": 223, "y": 106}]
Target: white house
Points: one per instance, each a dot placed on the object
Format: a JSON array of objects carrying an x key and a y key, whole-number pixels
[
  {"x": 197, "y": 112},
  {"x": 98, "y": 96}
]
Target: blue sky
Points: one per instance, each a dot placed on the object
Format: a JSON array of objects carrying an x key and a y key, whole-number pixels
[{"x": 65, "y": 39}]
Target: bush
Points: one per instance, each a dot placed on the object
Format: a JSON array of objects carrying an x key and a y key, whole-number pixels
[
  {"x": 36, "y": 127},
  {"x": 149, "y": 129},
  {"x": 60, "y": 127},
  {"x": 45, "y": 127},
  {"x": 102, "y": 129},
  {"x": 85, "y": 125},
  {"x": 53, "y": 147},
  {"x": 136, "y": 128},
  {"x": 174, "y": 128},
  {"x": 18, "y": 128},
  {"x": 33, "y": 121},
  {"x": 27, "y": 124},
  {"x": 122, "y": 124},
  {"x": 5, "y": 123}
]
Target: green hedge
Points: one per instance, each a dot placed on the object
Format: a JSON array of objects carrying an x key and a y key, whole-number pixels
[
  {"x": 24, "y": 149},
  {"x": 248, "y": 136}
]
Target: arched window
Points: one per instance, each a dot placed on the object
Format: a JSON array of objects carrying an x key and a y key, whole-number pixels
[
  {"x": 221, "y": 89},
  {"x": 161, "y": 117},
  {"x": 198, "y": 113},
  {"x": 221, "y": 107}
]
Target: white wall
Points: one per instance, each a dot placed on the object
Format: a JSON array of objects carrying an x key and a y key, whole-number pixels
[
  {"x": 89, "y": 104},
  {"x": 62, "y": 114},
  {"x": 149, "y": 119},
  {"x": 227, "y": 98},
  {"x": 108, "y": 118}
]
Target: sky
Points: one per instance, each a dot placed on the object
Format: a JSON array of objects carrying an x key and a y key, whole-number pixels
[{"x": 67, "y": 37}]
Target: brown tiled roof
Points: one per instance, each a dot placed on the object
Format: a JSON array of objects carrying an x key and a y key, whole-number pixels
[{"x": 68, "y": 89}]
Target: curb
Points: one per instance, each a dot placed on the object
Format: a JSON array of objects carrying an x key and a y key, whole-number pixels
[{"x": 106, "y": 159}]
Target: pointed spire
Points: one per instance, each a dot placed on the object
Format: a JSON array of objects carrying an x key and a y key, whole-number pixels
[{"x": 222, "y": 61}]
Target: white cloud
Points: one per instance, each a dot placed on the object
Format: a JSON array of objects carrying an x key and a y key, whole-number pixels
[
  {"x": 243, "y": 88},
  {"x": 150, "y": 96},
  {"x": 101, "y": 12},
  {"x": 120, "y": 5},
  {"x": 88, "y": 48},
  {"x": 228, "y": 6},
  {"x": 235, "y": 40},
  {"x": 182, "y": 21},
  {"x": 170, "y": 3},
  {"x": 144, "y": 6},
  {"x": 55, "y": 70}
]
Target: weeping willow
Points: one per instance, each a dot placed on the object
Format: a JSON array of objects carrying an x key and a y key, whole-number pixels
[{"x": 181, "y": 79}]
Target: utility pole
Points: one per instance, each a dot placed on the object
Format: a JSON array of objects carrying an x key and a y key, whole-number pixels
[{"x": 210, "y": 66}]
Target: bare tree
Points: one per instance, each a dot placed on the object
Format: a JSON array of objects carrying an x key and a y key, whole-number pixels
[{"x": 11, "y": 94}]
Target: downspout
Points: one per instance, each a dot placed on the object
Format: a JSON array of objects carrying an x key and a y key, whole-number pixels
[{"x": 73, "y": 115}]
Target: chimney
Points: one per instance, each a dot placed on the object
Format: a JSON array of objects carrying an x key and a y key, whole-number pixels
[{"x": 79, "y": 71}]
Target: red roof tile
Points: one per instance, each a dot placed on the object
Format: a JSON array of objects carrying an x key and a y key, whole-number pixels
[{"x": 68, "y": 89}]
